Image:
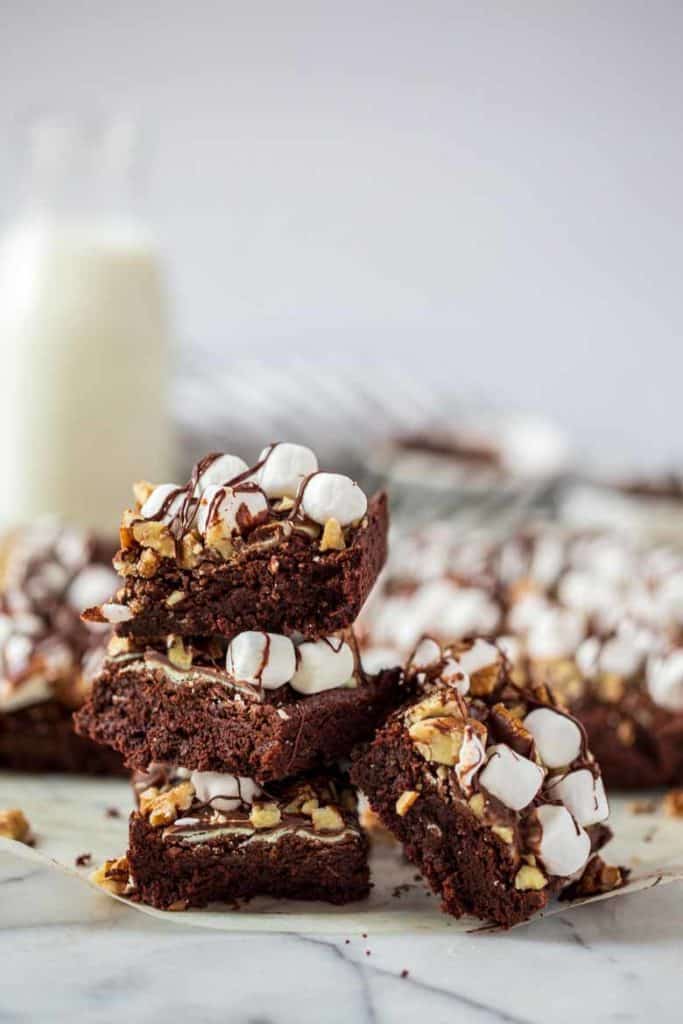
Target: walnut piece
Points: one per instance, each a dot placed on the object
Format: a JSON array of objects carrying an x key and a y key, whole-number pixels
[
  {"x": 151, "y": 534},
  {"x": 218, "y": 539},
  {"x": 406, "y": 801},
  {"x": 148, "y": 563},
  {"x": 14, "y": 825},
  {"x": 673, "y": 803},
  {"x": 327, "y": 819},
  {"x": 438, "y": 739},
  {"x": 162, "y": 808},
  {"x": 175, "y": 597},
  {"x": 477, "y": 805},
  {"x": 530, "y": 878},
  {"x": 265, "y": 816},
  {"x": 113, "y": 875},
  {"x": 142, "y": 489},
  {"x": 333, "y": 537},
  {"x": 503, "y": 832},
  {"x": 178, "y": 654},
  {"x": 508, "y": 729},
  {"x": 119, "y": 645}
]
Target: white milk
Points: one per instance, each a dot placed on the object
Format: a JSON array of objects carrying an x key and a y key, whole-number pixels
[{"x": 83, "y": 370}]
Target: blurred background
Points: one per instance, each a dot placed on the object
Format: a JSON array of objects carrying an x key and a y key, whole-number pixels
[{"x": 482, "y": 199}]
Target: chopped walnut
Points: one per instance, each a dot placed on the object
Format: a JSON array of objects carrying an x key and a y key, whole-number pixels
[
  {"x": 438, "y": 739},
  {"x": 142, "y": 490},
  {"x": 406, "y": 801},
  {"x": 151, "y": 534},
  {"x": 162, "y": 808},
  {"x": 190, "y": 552},
  {"x": 477, "y": 805},
  {"x": 597, "y": 878},
  {"x": 178, "y": 654},
  {"x": 530, "y": 878},
  {"x": 14, "y": 825},
  {"x": 503, "y": 832},
  {"x": 610, "y": 688},
  {"x": 327, "y": 819},
  {"x": 510, "y": 730},
  {"x": 119, "y": 645},
  {"x": 148, "y": 563},
  {"x": 175, "y": 597},
  {"x": 265, "y": 816},
  {"x": 113, "y": 875},
  {"x": 626, "y": 732},
  {"x": 333, "y": 537},
  {"x": 673, "y": 803}
]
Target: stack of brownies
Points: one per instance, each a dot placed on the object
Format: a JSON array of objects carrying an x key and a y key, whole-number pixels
[{"x": 232, "y": 682}]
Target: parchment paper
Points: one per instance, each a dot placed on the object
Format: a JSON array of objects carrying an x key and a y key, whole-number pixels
[{"x": 74, "y": 816}]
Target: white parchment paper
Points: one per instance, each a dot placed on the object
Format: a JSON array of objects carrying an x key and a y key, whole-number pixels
[{"x": 75, "y": 816}]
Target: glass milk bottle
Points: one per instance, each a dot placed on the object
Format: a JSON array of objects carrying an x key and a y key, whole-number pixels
[{"x": 83, "y": 334}]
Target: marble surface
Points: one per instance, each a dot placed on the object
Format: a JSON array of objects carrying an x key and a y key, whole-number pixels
[{"x": 68, "y": 952}]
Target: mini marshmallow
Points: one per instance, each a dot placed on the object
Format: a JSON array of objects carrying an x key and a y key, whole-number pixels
[
  {"x": 116, "y": 612},
  {"x": 375, "y": 659},
  {"x": 17, "y": 654},
  {"x": 426, "y": 654},
  {"x": 92, "y": 585},
  {"x": 587, "y": 657},
  {"x": 583, "y": 795},
  {"x": 511, "y": 778},
  {"x": 226, "y": 507},
  {"x": 471, "y": 760},
  {"x": 221, "y": 471},
  {"x": 322, "y": 665},
  {"x": 284, "y": 469},
  {"x": 156, "y": 500},
  {"x": 511, "y": 648},
  {"x": 480, "y": 655},
  {"x": 620, "y": 656},
  {"x": 454, "y": 675},
  {"x": 558, "y": 738},
  {"x": 333, "y": 496},
  {"x": 564, "y": 847},
  {"x": 527, "y": 611},
  {"x": 265, "y": 659},
  {"x": 665, "y": 681},
  {"x": 224, "y": 792},
  {"x": 555, "y": 634}
]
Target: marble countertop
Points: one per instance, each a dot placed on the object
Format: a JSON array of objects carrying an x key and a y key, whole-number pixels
[{"x": 70, "y": 953}]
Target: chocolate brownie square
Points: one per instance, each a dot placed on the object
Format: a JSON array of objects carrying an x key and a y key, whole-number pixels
[
  {"x": 214, "y": 837},
  {"x": 489, "y": 785},
  {"x": 262, "y": 706},
  {"x": 277, "y": 546}
]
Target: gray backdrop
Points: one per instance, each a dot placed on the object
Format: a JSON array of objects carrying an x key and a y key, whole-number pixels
[{"x": 489, "y": 192}]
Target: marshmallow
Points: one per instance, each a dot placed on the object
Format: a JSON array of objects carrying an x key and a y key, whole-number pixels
[
  {"x": 555, "y": 634},
  {"x": 92, "y": 585},
  {"x": 586, "y": 592},
  {"x": 378, "y": 658},
  {"x": 427, "y": 654},
  {"x": 527, "y": 611},
  {"x": 511, "y": 778},
  {"x": 587, "y": 657},
  {"x": 665, "y": 681},
  {"x": 480, "y": 655},
  {"x": 583, "y": 795},
  {"x": 452, "y": 611},
  {"x": 333, "y": 496},
  {"x": 322, "y": 665},
  {"x": 221, "y": 471},
  {"x": 472, "y": 758},
  {"x": 17, "y": 654},
  {"x": 227, "y": 505},
  {"x": 265, "y": 659},
  {"x": 224, "y": 792},
  {"x": 285, "y": 467},
  {"x": 558, "y": 738},
  {"x": 511, "y": 648},
  {"x": 116, "y": 612},
  {"x": 158, "y": 498},
  {"x": 564, "y": 847},
  {"x": 547, "y": 560},
  {"x": 620, "y": 656},
  {"x": 454, "y": 675}
]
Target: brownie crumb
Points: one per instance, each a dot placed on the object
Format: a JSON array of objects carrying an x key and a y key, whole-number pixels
[
  {"x": 642, "y": 807},
  {"x": 673, "y": 803},
  {"x": 113, "y": 812},
  {"x": 404, "y": 973},
  {"x": 83, "y": 860}
]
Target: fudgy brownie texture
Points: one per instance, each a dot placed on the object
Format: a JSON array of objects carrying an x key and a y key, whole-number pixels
[
  {"x": 300, "y": 841},
  {"x": 633, "y": 755},
  {"x": 148, "y": 716},
  {"x": 488, "y": 785},
  {"x": 283, "y": 582},
  {"x": 41, "y": 738}
]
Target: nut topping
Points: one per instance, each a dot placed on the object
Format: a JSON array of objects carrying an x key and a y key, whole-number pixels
[
  {"x": 406, "y": 801},
  {"x": 113, "y": 875},
  {"x": 438, "y": 739},
  {"x": 530, "y": 878},
  {"x": 265, "y": 816},
  {"x": 14, "y": 825},
  {"x": 327, "y": 819},
  {"x": 162, "y": 808}
]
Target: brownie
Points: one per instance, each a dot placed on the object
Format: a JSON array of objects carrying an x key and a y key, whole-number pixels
[
  {"x": 216, "y": 838},
  {"x": 204, "y": 560},
  {"x": 487, "y": 783},
  {"x": 51, "y": 570},
  {"x": 41, "y": 738},
  {"x": 200, "y": 715}
]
